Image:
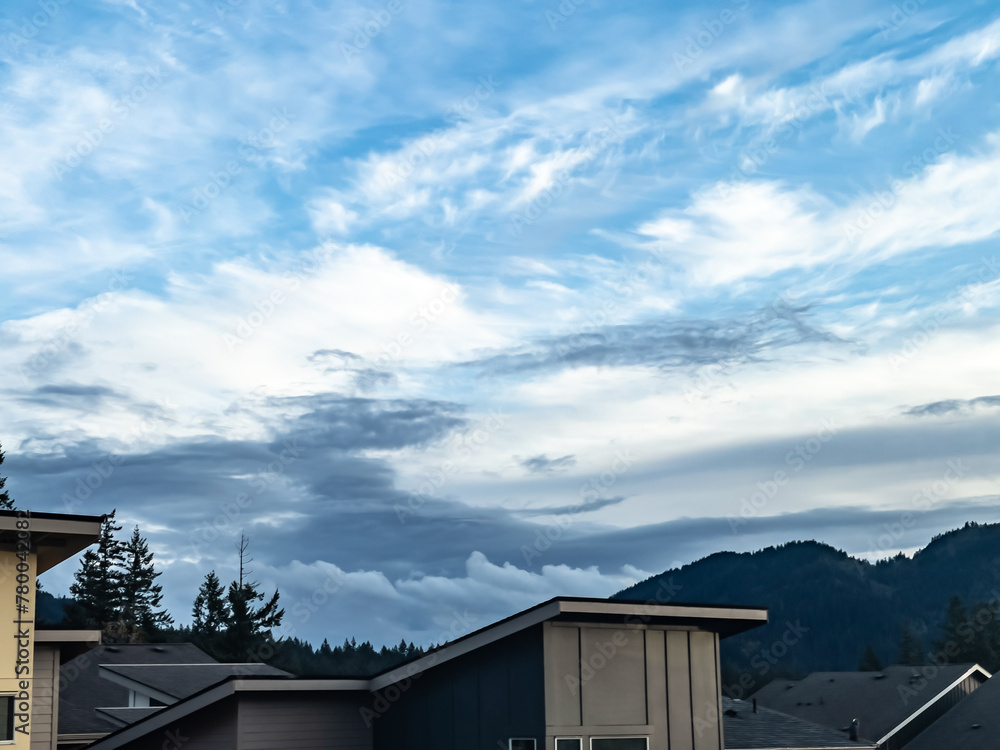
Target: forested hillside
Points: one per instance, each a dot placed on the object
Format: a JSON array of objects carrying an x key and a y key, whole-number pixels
[{"x": 826, "y": 607}]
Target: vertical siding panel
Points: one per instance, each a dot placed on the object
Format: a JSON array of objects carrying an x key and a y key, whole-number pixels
[
  {"x": 302, "y": 721},
  {"x": 679, "y": 690},
  {"x": 43, "y": 711},
  {"x": 562, "y": 661},
  {"x": 704, "y": 692},
  {"x": 613, "y": 676},
  {"x": 656, "y": 689}
]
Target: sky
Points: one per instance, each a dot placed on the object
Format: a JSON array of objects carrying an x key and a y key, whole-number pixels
[{"x": 455, "y": 307}]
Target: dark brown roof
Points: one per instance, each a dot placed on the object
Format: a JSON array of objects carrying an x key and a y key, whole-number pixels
[
  {"x": 82, "y": 689},
  {"x": 880, "y": 701},
  {"x": 769, "y": 730},
  {"x": 974, "y": 724}
]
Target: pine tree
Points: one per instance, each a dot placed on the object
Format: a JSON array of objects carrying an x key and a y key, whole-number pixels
[
  {"x": 249, "y": 626},
  {"x": 98, "y": 586},
  {"x": 211, "y": 614},
  {"x": 5, "y": 502},
  {"x": 139, "y": 615}
]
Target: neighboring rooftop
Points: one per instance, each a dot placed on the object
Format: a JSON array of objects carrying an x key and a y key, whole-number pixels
[
  {"x": 772, "y": 730},
  {"x": 84, "y": 690},
  {"x": 54, "y": 536},
  {"x": 971, "y": 725},
  {"x": 169, "y": 683},
  {"x": 880, "y": 701}
]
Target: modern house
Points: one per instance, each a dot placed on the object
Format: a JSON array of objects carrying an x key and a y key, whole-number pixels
[
  {"x": 30, "y": 544},
  {"x": 891, "y": 707},
  {"x": 568, "y": 674}
]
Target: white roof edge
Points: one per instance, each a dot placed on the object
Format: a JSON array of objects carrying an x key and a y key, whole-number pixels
[
  {"x": 165, "y": 716},
  {"x": 935, "y": 699},
  {"x": 67, "y": 636},
  {"x": 665, "y": 609},
  {"x": 286, "y": 685}
]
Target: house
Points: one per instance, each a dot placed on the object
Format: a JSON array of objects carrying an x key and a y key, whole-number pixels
[
  {"x": 973, "y": 724},
  {"x": 891, "y": 707},
  {"x": 567, "y": 674},
  {"x": 31, "y": 544},
  {"x": 750, "y": 727},
  {"x": 112, "y": 686}
]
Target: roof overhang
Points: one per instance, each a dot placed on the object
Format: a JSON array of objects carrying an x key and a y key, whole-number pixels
[
  {"x": 54, "y": 536},
  {"x": 71, "y": 643},
  {"x": 721, "y": 619}
]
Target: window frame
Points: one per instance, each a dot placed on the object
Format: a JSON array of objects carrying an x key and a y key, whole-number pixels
[
  {"x": 10, "y": 720},
  {"x": 619, "y": 737},
  {"x": 578, "y": 738},
  {"x": 533, "y": 740}
]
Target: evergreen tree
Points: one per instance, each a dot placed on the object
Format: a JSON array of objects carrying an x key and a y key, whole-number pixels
[
  {"x": 211, "y": 614},
  {"x": 249, "y": 626},
  {"x": 870, "y": 661},
  {"x": 99, "y": 582},
  {"x": 5, "y": 502},
  {"x": 911, "y": 647},
  {"x": 140, "y": 617}
]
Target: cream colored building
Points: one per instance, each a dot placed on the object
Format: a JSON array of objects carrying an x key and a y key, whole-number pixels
[{"x": 30, "y": 544}]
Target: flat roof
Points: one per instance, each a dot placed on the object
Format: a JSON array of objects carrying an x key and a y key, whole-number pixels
[{"x": 54, "y": 536}]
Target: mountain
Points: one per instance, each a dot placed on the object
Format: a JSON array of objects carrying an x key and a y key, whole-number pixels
[{"x": 826, "y": 607}]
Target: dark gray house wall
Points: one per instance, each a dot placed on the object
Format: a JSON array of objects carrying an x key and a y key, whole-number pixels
[
  {"x": 303, "y": 721},
  {"x": 605, "y": 681},
  {"x": 212, "y": 728},
  {"x": 475, "y": 701}
]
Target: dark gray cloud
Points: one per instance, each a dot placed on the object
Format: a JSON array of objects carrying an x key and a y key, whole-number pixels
[
  {"x": 542, "y": 464},
  {"x": 664, "y": 343},
  {"x": 950, "y": 406},
  {"x": 77, "y": 396}
]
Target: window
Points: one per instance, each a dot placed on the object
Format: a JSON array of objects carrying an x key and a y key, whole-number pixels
[
  {"x": 6, "y": 718},
  {"x": 522, "y": 743},
  {"x": 569, "y": 743},
  {"x": 619, "y": 743}
]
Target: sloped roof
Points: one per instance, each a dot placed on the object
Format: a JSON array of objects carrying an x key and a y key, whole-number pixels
[
  {"x": 974, "y": 724},
  {"x": 772, "y": 689},
  {"x": 83, "y": 689},
  {"x": 880, "y": 701},
  {"x": 122, "y": 717},
  {"x": 172, "y": 682},
  {"x": 770, "y": 730}
]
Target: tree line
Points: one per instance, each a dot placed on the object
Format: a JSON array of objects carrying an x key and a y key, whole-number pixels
[{"x": 115, "y": 591}]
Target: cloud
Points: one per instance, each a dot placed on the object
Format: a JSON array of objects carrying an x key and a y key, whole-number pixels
[
  {"x": 542, "y": 464},
  {"x": 952, "y": 406}
]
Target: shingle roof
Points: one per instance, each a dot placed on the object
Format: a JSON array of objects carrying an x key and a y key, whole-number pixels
[
  {"x": 974, "y": 724},
  {"x": 178, "y": 681},
  {"x": 880, "y": 701},
  {"x": 125, "y": 716},
  {"x": 768, "y": 730},
  {"x": 82, "y": 689}
]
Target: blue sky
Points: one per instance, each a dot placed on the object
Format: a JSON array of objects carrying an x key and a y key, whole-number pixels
[{"x": 455, "y": 307}]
